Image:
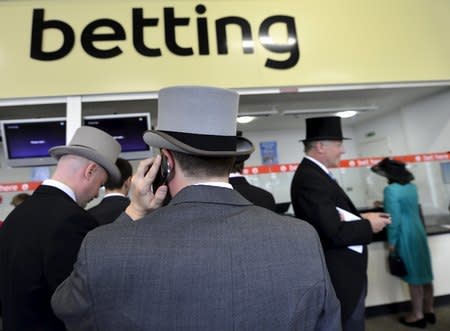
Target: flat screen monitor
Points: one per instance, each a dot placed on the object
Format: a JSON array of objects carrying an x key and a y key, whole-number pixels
[
  {"x": 26, "y": 142},
  {"x": 127, "y": 129}
]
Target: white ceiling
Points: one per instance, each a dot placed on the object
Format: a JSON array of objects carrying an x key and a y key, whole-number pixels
[{"x": 383, "y": 99}]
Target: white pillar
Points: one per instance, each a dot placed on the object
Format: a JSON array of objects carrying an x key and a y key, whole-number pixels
[{"x": 74, "y": 116}]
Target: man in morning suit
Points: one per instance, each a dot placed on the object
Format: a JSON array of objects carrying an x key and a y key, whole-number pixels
[
  {"x": 116, "y": 198},
  {"x": 209, "y": 260},
  {"x": 40, "y": 238},
  {"x": 252, "y": 193},
  {"x": 315, "y": 198}
]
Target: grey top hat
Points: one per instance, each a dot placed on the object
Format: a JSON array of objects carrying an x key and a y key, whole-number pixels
[
  {"x": 95, "y": 145},
  {"x": 198, "y": 120},
  {"x": 323, "y": 128}
]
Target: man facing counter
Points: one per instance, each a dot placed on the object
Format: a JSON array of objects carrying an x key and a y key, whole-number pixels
[{"x": 318, "y": 199}]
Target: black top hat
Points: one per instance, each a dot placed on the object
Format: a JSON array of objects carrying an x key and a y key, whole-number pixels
[
  {"x": 393, "y": 170},
  {"x": 323, "y": 128}
]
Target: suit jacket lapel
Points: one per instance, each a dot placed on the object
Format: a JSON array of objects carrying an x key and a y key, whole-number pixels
[{"x": 333, "y": 182}]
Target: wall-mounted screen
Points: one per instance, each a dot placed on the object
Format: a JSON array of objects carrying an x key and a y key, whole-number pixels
[
  {"x": 127, "y": 129},
  {"x": 26, "y": 142}
]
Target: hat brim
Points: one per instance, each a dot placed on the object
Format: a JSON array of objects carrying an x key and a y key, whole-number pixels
[
  {"x": 160, "y": 139},
  {"x": 325, "y": 138},
  {"x": 378, "y": 171},
  {"x": 404, "y": 176},
  {"x": 90, "y": 154}
]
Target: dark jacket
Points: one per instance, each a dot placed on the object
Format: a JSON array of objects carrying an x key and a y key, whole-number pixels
[
  {"x": 39, "y": 243},
  {"x": 315, "y": 196},
  {"x": 109, "y": 208},
  {"x": 252, "y": 193}
]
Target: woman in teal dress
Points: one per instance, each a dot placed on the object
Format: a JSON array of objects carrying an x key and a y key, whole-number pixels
[{"x": 407, "y": 238}]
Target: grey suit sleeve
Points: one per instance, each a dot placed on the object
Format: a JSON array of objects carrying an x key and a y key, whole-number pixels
[
  {"x": 330, "y": 318},
  {"x": 72, "y": 301}
]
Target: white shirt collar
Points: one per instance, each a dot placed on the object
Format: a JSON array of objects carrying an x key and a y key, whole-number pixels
[
  {"x": 63, "y": 187},
  {"x": 218, "y": 184},
  {"x": 114, "y": 194},
  {"x": 235, "y": 174},
  {"x": 318, "y": 163}
]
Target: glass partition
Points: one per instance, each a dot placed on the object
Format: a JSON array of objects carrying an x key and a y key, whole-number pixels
[{"x": 365, "y": 187}]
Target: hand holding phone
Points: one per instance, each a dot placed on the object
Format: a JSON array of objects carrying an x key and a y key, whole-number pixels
[{"x": 143, "y": 198}]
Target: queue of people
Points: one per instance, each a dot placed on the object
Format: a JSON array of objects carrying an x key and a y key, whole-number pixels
[{"x": 216, "y": 257}]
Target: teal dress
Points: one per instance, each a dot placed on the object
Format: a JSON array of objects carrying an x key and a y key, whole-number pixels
[{"x": 407, "y": 233}]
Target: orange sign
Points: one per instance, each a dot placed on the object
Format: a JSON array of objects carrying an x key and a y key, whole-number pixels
[
  {"x": 350, "y": 163},
  {"x": 19, "y": 187}
]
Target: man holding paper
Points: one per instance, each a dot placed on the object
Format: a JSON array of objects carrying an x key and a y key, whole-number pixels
[{"x": 318, "y": 199}]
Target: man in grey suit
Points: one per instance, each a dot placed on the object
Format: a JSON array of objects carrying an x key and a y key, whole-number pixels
[{"x": 209, "y": 260}]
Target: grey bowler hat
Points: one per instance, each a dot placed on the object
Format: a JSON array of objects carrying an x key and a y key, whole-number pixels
[
  {"x": 95, "y": 145},
  {"x": 198, "y": 120}
]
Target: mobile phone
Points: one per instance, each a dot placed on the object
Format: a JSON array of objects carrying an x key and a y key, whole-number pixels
[{"x": 163, "y": 174}]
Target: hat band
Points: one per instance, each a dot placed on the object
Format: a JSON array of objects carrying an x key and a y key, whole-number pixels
[{"x": 205, "y": 142}]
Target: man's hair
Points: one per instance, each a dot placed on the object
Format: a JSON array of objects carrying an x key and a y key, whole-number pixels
[
  {"x": 204, "y": 166},
  {"x": 309, "y": 145},
  {"x": 19, "y": 198},
  {"x": 238, "y": 167},
  {"x": 126, "y": 170},
  {"x": 401, "y": 181}
]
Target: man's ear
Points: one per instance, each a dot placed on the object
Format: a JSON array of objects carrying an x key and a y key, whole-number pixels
[
  {"x": 90, "y": 170},
  {"x": 127, "y": 183},
  {"x": 169, "y": 156}
]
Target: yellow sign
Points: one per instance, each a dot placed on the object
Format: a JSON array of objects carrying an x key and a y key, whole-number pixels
[{"x": 51, "y": 48}]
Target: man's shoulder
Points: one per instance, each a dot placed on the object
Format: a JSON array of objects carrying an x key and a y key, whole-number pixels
[
  {"x": 308, "y": 172},
  {"x": 293, "y": 222},
  {"x": 266, "y": 218},
  {"x": 96, "y": 207},
  {"x": 308, "y": 165}
]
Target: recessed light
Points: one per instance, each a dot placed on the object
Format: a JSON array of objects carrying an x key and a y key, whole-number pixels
[
  {"x": 347, "y": 113},
  {"x": 245, "y": 119}
]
